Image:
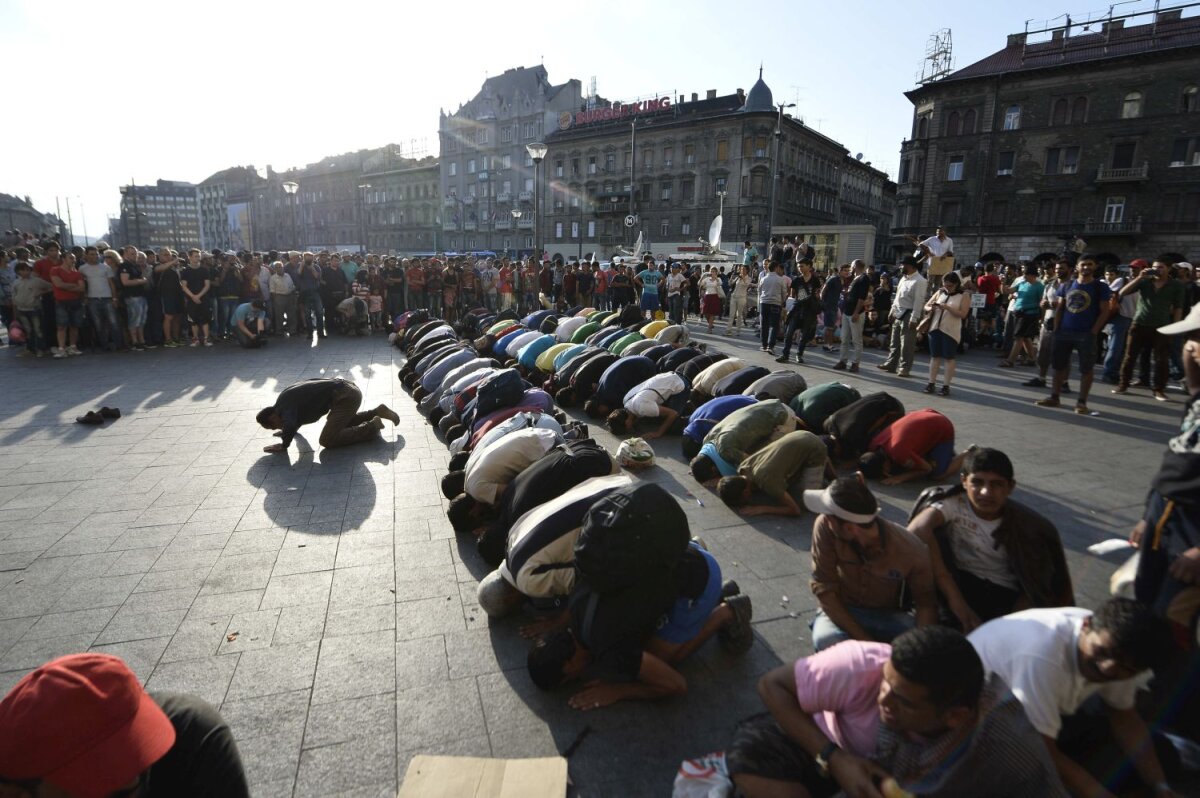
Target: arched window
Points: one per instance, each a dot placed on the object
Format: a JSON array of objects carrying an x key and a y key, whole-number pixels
[
  {"x": 1079, "y": 110},
  {"x": 1012, "y": 117},
  {"x": 1059, "y": 116},
  {"x": 968, "y": 123},
  {"x": 1131, "y": 108},
  {"x": 923, "y": 127},
  {"x": 953, "y": 123},
  {"x": 1191, "y": 99}
]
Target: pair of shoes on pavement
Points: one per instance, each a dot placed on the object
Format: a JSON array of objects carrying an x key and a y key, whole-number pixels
[
  {"x": 737, "y": 636},
  {"x": 97, "y": 417},
  {"x": 1053, "y": 401}
]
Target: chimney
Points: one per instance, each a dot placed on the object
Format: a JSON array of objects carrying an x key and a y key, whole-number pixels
[
  {"x": 1169, "y": 15},
  {"x": 1016, "y": 40},
  {"x": 1057, "y": 36},
  {"x": 711, "y": 94},
  {"x": 1116, "y": 24},
  {"x": 741, "y": 95},
  {"x": 695, "y": 96}
]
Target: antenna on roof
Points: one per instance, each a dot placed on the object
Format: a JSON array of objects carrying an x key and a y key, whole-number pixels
[{"x": 939, "y": 57}]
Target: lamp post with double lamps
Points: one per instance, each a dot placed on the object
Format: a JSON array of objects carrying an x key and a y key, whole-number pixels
[
  {"x": 290, "y": 188},
  {"x": 362, "y": 217},
  {"x": 537, "y": 151},
  {"x": 777, "y": 172}
]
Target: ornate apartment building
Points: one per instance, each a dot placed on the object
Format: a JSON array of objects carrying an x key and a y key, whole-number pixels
[{"x": 1065, "y": 132}]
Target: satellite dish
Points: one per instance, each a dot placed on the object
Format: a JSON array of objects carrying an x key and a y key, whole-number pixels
[
  {"x": 858, "y": 157},
  {"x": 714, "y": 234}
]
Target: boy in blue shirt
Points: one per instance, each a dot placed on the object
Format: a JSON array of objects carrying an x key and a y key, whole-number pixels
[
  {"x": 1082, "y": 311},
  {"x": 647, "y": 280}
]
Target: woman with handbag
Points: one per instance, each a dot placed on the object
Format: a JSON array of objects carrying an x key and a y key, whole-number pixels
[
  {"x": 713, "y": 293},
  {"x": 944, "y": 314}
]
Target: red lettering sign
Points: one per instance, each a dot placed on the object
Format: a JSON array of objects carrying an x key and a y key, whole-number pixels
[{"x": 621, "y": 110}]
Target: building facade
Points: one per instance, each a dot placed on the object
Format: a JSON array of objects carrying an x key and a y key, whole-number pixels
[
  {"x": 227, "y": 201},
  {"x": 485, "y": 171},
  {"x": 19, "y": 217},
  {"x": 165, "y": 214},
  {"x": 1064, "y": 134},
  {"x": 403, "y": 212},
  {"x": 671, "y": 165}
]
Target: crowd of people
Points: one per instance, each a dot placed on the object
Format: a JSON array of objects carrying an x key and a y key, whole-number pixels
[{"x": 951, "y": 658}]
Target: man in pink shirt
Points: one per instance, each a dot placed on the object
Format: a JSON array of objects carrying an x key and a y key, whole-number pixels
[{"x": 873, "y": 720}]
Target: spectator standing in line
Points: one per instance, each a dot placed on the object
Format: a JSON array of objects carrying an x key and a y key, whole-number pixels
[
  {"x": 831, "y": 295},
  {"x": 166, "y": 276},
  {"x": 133, "y": 282},
  {"x": 69, "y": 288},
  {"x": 283, "y": 300},
  {"x": 908, "y": 306},
  {"x": 853, "y": 307},
  {"x": 28, "y": 290},
  {"x": 949, "y": 307},
  {"x": 772, "y": 294},
  {"x": 1118, "y": 325},
  {"x": 196, "y": 283},
  {"x": 101, "y": 298},
  {"x": 739, "y": 288},
  {"x": 1028, "y": 293},
  {"x": 1160, "y": 301},
  {"x": 802, "y": 318},
  {"x": 1080, "y": 316}
]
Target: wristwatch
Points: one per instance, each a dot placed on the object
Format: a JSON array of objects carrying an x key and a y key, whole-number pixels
[{"x": 825, "y": 755}]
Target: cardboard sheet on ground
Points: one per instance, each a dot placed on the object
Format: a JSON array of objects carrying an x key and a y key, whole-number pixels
[{"x": 477, "y": 777}]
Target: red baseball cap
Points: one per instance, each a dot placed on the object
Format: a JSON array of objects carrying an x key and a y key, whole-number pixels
[
  {"x": 82, "y": 723},
  {"x": 1138, "y": 263}
]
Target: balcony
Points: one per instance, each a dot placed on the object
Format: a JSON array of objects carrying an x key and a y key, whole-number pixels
[
  {"x": 524, "y": 224},
  {"x": 468, "y": 200},
  {"x": 1094, "y": 227},
  {"x": 504, "y": 196},
  {"x": 503, "y": 224},
  {"x": 1134, "y": 174},
  {"x": 449, "y": 224},
  {"x": 525, "y": 196},
  {"x": 449, "y": 202},
  {"x": 469, "y": 226}
]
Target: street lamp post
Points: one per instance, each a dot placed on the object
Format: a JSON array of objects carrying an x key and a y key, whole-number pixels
[
  {"x": 775, "y": 168},
  {"x": 362, "y": 217},
  {"x": 516, "y": 215},
  {"x": 290, "y": 188},
  {"x": 537, "y": 151}
]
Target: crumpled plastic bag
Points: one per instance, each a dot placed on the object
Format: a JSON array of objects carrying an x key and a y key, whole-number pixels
[{"x": 635, "y": 453}]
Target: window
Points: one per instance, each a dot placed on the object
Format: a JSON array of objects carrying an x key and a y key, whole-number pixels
[
  {"x": 904, "y": 171},
  {"x": 1185, "y": 152},
  {"x": 482, "y": 137},
  {"x": 1114, "y": 210},
  {"x": 574, "y": 167},
  {"x": 528, "y": 159},
  {"x": 644, "y": 192},
  {"x": 529, "y": 184},
  {"x": 665, "y": 191},
  {"x": 922, "y": 127},
  {"x": 687, "y": 190},
  {"x": 1054, "y": 211},
  {"x": 506, "y": 162},
  {"x": 758, "y": 182},
  {"x": 668, "y": 156},
  {"x": 953, "y": 124},
  {"x": 1131, "y": 108},
  {"x": 998, "y": 213},
  {"x": 760, "y": 146},
  {"x": 1062, "y": 160},
  {"x": 719, "y": 184},
  {"x": 647, "y": 157},
  {"x": 685, "y": 226},
  {"x": 453, "y": 169},
  {"x": 628, "y": 156},
  {"x": 689, "y": 155},
  {"x": 949, "y": 212},
  {"x": 968, "y": 124},
  {"x": 506, "y": 135},
  {"x": 610, "y": 161},
  {"x": 1123, "y": 155},
  {"x": 1005, "y": 161},
  {"x": 471, "y": 166},
  {"x": 558, "y": 168},
  {"x": 1191, "y": 99},
  {"x": 558, "y": 229},
  {"x": 1061, "y": 112},
  {"x": 664, "y": 228},
  {"x": 1012, "y": 118},
  {"x": 574, "y": 229},
  {"x": 722, "y": 150},
  {"x": 954, "y": 170},
  {"x": 1079, "y": 111}
]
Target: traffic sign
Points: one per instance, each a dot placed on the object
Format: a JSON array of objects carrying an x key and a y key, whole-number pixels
[{"x": 630, "y": 220}]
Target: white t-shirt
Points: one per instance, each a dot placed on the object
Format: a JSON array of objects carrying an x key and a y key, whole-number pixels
[
  {"x": 674, "y": 282},
  {"x": 939, "y": 246},
  {"x": 1035, "y": 652},
  {"x": 706, "y": 381},
  {"x": 975, "y": 551},
  {"x": 517, "y": 344},
  {"x": 567, "y": 327},
  {"x": 503, "y": 459},
  {"x": 711, "y": 285},
  {"x": 643, "y": 400},
  {"x": 97, "y": 276}
]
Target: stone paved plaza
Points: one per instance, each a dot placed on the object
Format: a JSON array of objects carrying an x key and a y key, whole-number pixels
[{"x": 320, "y": 599}]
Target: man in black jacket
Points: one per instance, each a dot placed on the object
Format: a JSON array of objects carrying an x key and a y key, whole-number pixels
[{"x": 307, "y": 401}]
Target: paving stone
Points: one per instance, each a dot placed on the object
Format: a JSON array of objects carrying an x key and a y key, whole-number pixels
[
  {"x": 300, "y": 623},
  {"x": 359, "y": 620},
  {"x": 197, "y": 638},
  {"x": 207, "y": 678},
  {"x": 250, "y": 630},
  {"x": 106, "y": 591},
  {"x": 223, "y": 604},
  {"x": 356, "y": 665},
  {"x": 141, "y": 624},
  {"x": 436, "y": 713},
  {"x": 352, "y": 719},
  {"x": 278, "y": 669},
  {"x": 28, "y": 654},
  {"x": 426, "y": 617},
  {"x": 142, "y": 656},
  {"x": 338, "y": 768},
  {"x": 77, "y": 622},
  {"x": 292, "y": 589}
]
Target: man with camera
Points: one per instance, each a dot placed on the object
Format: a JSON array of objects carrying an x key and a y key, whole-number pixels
[{"x": 1160, "y": 301}]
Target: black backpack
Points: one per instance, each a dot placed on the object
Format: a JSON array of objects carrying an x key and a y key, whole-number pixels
[
  {"x": 634, "y": 536},
  {"x": 499, "y": 391}
]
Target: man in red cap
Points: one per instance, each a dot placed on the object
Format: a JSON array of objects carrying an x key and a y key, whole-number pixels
[{"x": 81, "y": 726}]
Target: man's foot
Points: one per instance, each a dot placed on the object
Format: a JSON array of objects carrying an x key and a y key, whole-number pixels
[
  {"x": 1005, "y": 364},
  {"x": 799, "y": 359},
  {"x": 1160, "y": 396},
  {"x": 73, "y": 351},
  {"x": 1141, "y": 384},
  {"x": 1049, "y": 401},
  {"x": 1082, "y": 409},
  {"x": 762, "y": 349},
  {"x": 1066, "y": 387},
  {"x": 729, "y": 589},
  {"x": 27, "y": 353},
  {"x": 194, "y": 343},
  {"x": 902, "y": 373},
  {"x": 945, "y": 390},
  {"x": 208, "y": 342},
  {"x": 853, "y": 368},
  {"x": 377, "y": 423},
  {"x": 886, "y": 367},
  {"x": 782, "y": 359},
  {"x": 839, "y": 366},
  {"x": 737, "y": 637},
  {"x": 1121, "y": 389},
  {"x": 58, "y": 353},
  {"x": 1036, "y": 382},
  {"x": 383, "y": 411},
  {"x": 930, "y": 387},
  {"x": 771, "y": 351}
]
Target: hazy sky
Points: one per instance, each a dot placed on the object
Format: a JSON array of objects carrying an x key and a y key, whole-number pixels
[{"x": 178, "y": 90}]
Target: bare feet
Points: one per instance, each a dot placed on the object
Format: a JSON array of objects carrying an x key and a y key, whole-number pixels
[{"x": 383, "y": 411}]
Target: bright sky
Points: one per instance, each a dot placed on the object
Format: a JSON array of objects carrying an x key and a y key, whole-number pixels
[{"x": 179, "y": 90}]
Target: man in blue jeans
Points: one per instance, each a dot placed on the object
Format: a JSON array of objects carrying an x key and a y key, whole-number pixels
[
  {"x": 647, "y": 280},
  {"x": 309, "y": 283},
  {"x": 866, "y": 571},
  {"x": 772, "y": 295},
  {"x": 1081, "y": 314}
]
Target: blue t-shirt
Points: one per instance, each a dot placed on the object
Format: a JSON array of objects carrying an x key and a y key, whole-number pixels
[
  {"x": 649, "y": 281},
  {"x": 1029, "y": 295},
  {"x": 500, "y": 348},
  {"x": 1081, "y": 305},
  {"x": 610, "y": 336},
  {"x": 247, "y": 313},
  {"x": 528, "y": 355},
  {"x": 708, "y": 414},
  {"x": 561, "y": 359},
  {"x": 534, "y": 320}
]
